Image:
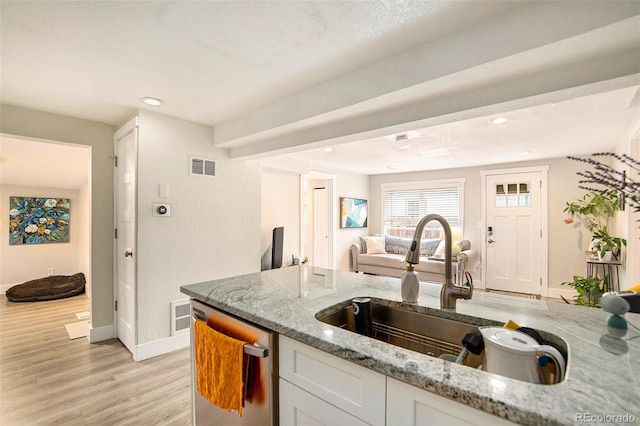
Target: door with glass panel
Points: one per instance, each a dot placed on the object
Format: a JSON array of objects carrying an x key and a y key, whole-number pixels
[{"x": 514, "y": 233}]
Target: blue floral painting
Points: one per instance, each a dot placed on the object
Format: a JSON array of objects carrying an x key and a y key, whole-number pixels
[{"x": 38, "y": 220}]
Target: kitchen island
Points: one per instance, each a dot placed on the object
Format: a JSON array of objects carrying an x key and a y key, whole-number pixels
[{"x": 603, "y": 372}]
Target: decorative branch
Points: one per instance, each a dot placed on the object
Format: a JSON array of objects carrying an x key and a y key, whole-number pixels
[{"x": 605, "y": 179}]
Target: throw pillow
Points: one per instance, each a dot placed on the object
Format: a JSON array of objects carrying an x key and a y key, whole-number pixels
[
  {"x": 375, "y": 245},
  {"x": 363, "y": 244},
  {"x": 455, "y": 250}
]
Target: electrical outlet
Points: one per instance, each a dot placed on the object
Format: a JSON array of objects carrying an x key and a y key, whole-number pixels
[{"x": 50, "y": 271}]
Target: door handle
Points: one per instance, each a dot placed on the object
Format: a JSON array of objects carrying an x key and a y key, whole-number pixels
[
  {"x": 128, "y": 253},
  {"x": 490, "y": 241}
]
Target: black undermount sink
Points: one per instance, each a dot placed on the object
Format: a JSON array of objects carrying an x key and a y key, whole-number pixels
[{"x": 421, "y": 329}]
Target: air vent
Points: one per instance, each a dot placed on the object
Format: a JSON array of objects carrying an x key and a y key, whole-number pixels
[
  {"x": 202, "y": 167},
  {"x": 180, "y": 316}
]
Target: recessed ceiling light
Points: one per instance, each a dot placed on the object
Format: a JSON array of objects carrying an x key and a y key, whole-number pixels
[
  {"x": 525, "y": 153},
  {"x": 499, "y": 120},
  {"x": 151, "y": 101},
  {"x": 392, "y": 167},
  {"x": 328, "y": 150}
]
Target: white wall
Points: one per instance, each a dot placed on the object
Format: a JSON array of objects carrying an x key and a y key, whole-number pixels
[
  {"x": 628, "y": 221},
  {"x": 354, "y": 186},
  {"x": 214, "y": 227},
  {"x": 346, "y": 185},
  {"x": 28, "y": 123},
  {"x": 566, "y": 243},
  {"x": 280, "y": 206},
  {"x": 21, "y": 263}
]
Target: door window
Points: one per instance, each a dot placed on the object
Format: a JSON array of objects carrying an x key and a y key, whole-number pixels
[{"x": 513, "y": 194}]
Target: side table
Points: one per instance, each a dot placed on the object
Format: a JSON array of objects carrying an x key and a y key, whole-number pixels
[{"x": 610, "y": 273}]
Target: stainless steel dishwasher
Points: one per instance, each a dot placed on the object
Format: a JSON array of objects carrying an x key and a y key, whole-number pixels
[{"x": 261, "y": 408}]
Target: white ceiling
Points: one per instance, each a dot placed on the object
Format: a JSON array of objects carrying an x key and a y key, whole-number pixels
[
  {"x": 26, "y": 162},
  {"x": 277, "y": 78}
]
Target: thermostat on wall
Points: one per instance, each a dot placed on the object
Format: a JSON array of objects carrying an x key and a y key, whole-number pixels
[{"x": 161, "y": 210}]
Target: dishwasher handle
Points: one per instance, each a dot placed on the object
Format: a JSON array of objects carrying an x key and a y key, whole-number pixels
[{"x": 251, "y": 349}]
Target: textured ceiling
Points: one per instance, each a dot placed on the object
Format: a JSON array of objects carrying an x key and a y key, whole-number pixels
[{"x": 277, "y": 77}]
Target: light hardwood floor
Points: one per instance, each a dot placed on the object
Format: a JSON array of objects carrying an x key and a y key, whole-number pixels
[{"x": 48, "y": 379}]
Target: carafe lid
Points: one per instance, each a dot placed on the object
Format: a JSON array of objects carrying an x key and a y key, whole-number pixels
[{"x": 515, "y": 341}]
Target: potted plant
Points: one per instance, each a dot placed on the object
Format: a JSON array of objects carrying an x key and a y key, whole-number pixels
[
  {"x": 606, "y": 246},
  {"x": 596, "y": 208},
  {"x": 590, "y": 290}
]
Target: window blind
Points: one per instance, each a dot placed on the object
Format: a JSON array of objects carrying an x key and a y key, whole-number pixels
[{"x": 404, "y": 207}]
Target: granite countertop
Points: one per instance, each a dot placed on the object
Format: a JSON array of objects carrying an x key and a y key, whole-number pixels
[{"x": 603, "y": 372}]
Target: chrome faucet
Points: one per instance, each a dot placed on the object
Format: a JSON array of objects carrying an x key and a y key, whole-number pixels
[{"x": 450, "y": 292}]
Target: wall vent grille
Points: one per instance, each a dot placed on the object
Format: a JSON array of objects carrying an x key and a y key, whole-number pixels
[
  {"x": 180, "y": 316},
  {"x": 202, "y": 167}
]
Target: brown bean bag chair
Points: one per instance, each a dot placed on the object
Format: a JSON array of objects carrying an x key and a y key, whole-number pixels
[{"x": 48, "y": 288}]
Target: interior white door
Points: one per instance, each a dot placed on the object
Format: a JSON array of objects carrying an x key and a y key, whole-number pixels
[
  {"x": 320, "y": 228},
  {"x": 126, "y": 239},
  {"x": 514, "y": 233}
]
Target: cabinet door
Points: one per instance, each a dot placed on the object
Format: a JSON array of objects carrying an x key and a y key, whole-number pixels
[
  {"x": 300, "y": 408},
  {"x": 354, "y": 389},
  {"x": 408, "y": 405}
]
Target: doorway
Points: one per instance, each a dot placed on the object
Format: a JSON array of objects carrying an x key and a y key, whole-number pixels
[
  {"x": 33, "y": 167},
  {"x": 317, "y": 220},
  {"x": 515, "y": 216}
]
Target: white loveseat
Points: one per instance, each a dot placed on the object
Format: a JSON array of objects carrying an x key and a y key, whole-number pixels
[{"x": 390, "y": 261}]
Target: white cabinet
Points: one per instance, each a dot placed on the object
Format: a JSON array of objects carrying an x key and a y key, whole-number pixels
[
  {"x": 408, "y": 406},
  {"x": 321, "y": 389},
  {"x": 300, "y": 408},
  {"x": 336, "y": 383}
]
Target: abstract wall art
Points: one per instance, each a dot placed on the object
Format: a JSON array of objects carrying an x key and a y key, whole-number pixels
[
  {"x": 353, "y": 213},
  {"x": 34, "y": 220}
]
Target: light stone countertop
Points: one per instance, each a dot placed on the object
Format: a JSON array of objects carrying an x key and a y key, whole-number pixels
[{"x": 603, "y": 372}]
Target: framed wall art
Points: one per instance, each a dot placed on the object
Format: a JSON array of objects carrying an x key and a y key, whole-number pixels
[
  {"x": 34, "y": 220},
  {"x": 354, "y": 212}
]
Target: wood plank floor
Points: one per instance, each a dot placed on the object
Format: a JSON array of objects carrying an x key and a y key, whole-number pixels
[{"x": 48, "y": 379}]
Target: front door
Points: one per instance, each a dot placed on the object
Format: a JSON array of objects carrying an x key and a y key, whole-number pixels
[
  {"x": 126, "y": 239},
  {"x": 514, "y": 232}
]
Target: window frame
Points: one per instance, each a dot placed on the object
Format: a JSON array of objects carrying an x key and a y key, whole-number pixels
[{"x": 422, "y": 185}]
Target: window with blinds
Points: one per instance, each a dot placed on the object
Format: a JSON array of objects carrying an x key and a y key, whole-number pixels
[{"x": 405, "y": 204}]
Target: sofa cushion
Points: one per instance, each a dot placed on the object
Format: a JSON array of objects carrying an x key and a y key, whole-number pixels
[
  {"x": 375, "y": 245},
  {"x": 395, "y": 261},
  {"x": 431, "y": 266}
]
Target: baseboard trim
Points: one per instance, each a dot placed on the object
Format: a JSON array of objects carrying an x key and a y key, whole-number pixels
[
  {"x": 555, "y": 293},
  {"x": 5, "y": 287},
  {"x": 162, "y": 346},
  {"x": 99, "y": 334}
]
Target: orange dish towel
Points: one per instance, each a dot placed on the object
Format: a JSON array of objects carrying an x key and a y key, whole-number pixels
[{"x": 219, "y": 367}]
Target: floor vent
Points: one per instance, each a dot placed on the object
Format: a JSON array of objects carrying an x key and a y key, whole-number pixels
[
  {"x": 180, "y": 316},
  {"x": 202, "y": 167}
]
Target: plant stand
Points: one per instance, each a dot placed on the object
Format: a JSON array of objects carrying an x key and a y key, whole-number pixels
[{"x": 610, "y": 273}]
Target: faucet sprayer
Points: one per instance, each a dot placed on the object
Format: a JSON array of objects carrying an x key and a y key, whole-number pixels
[{"x": 409, "y": 280}]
